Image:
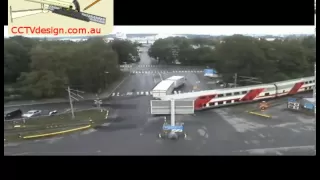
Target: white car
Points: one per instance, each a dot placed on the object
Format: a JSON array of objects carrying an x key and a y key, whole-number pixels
[{"x": 32, "y": 113}]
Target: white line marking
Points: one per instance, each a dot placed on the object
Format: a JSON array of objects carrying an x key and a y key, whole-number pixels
[
  {"x": 141, "y": 92},
  {"x": 118, "y": 94},
  {"x": 275, "y": 150},
  {"x": 147, "y": 93},
  {"x": 113, "y": 94},
  {"x": 129, "y": 93}
]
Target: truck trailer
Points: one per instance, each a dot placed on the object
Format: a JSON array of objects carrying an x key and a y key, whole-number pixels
[
  {"x": 178, "y": 80},
  {"x": 163, "y": 88}
]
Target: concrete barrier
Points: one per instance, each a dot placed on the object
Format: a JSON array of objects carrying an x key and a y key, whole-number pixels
[{"x": 56, "y": 133}]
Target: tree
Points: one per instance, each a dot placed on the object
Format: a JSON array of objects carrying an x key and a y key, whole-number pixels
[
  {"x": 270, "y": 61},
  {"x": 126, "y": 50},
  {"x": 46, "y": 68}
]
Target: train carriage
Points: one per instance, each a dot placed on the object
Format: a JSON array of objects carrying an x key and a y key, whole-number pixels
[{"x": 231, "y": 96}]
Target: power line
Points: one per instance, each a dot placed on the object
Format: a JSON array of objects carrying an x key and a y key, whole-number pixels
[{"x": 71, "y": 98}]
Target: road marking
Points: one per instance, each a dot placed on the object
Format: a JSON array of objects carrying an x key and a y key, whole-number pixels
[
  {"x": 20, "y": 154},
  {"x": 259, "y": 114},
  {"x": 147, "y": 93},
  {"x": 129, "y": 93},
  {"x": 137, "y": 93},
  {"x": 118, "y": 94},
  {"x": 113, "y": 94},
  {"x": 141, "y": 92},
  {"x": 276, "y": 150}
]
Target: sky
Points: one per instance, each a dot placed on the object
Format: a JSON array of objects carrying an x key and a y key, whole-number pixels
[{"x": 210, "y": 30}]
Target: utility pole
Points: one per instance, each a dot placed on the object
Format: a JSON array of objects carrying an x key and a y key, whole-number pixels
[
  {"x": 314, "y": 90},
  {"x": 70, "y": 100},
  {"x": 72, "y": 97},
  {"x": 235, "y": 79}
]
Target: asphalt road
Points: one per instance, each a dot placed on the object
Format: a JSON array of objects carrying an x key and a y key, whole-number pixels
[{"x": 225, "y": 131}]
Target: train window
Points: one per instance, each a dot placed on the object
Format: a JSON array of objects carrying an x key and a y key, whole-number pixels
[
  {"x": 211, "y": 104},
  {"x": 284, "y": 91},
  {"x": 310, "y": 87},
  {"x": 314, "y": 81},
  {"x": 221, "y": 102},
  {"x": 310, "y": 81},
  {"x": 306, "y": 82},
  {"x": 305, "y": 88},
  {"x": 244, "y": 92},
  {"x": 220, "y": 95},
  {"x": 266, "y": 94},
  {"x": 236, "y": 93},
  {"x": 229, "y": 94},
  {"x": 236, "y": 100},
  {"x": 229, "y": 101}
]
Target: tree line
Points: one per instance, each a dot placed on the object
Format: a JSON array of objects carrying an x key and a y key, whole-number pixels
[
  {"x": 270, "y": 61},
  {"x": 38, "y": 68}
]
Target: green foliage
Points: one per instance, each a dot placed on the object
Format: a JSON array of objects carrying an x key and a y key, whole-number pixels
[
  {"x": 268, "y": 60},
  {"x": 43, "y": 69}
]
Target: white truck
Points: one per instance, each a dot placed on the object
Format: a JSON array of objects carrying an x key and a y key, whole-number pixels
[
  {"x": 162, "y": 89},
  {"x": 178, "y": 80}
]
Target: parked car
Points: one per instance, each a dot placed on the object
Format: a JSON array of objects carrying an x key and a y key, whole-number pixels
[
  {"x": 32, "y": 113},
  {"x": 12, "y": 114},
  {"x": 51, "y": 113}
]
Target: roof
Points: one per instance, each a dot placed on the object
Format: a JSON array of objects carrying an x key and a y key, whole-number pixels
[
  {"x": 10, "y": 110},
  {"x": 173, "y": 78},
  {"x": 163, "y": 85}
]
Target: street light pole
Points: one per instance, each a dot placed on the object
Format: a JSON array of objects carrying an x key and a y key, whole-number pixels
[{"x": 235, "y": 79}]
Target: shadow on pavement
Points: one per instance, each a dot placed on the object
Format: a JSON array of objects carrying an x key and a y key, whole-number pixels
[{"x": 120, "y": 106}]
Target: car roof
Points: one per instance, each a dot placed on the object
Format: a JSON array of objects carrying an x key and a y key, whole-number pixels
[
  {"x": 31, "y": 111},
  {"x": 11, "y": 110}
]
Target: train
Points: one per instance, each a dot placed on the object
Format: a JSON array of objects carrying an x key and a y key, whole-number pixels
[{"x": 231, "y": 96}]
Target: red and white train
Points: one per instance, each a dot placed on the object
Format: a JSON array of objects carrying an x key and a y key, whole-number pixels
[{"x": 231, "y": 96}]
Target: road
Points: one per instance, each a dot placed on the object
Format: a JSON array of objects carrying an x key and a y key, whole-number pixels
[{"x": 133, "y": 131}]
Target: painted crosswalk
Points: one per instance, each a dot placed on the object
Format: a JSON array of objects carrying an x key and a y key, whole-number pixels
[
  {"x": 140, "y": 66},
  {"x": 156, "y": 72},
  {"x": 142, "y": 93}
]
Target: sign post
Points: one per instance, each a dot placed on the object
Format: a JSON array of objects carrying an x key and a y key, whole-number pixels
[
  {"x": 172, "y": 130},
  {"x": 98, "y": 102}
]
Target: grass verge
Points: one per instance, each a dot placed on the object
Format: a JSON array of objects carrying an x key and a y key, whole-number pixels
[
  {"x": 66, "y": 119},
  {"x": 51, "y": 124}
]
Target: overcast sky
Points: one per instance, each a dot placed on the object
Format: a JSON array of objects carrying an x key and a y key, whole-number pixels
[{"x": 212, "y": 30}]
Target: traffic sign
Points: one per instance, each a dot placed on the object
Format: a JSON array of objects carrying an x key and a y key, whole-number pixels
[
  {"x": 98, "y": 101},
  {"x": 173, "y": 128}
]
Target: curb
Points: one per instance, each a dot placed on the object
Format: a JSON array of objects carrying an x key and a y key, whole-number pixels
[
  {"x": 56, "y": 133},
  {"x": 259, "y": 114}
]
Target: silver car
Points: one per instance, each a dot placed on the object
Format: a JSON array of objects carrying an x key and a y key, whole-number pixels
[{"x": 32, "y": 113}]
